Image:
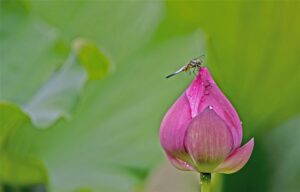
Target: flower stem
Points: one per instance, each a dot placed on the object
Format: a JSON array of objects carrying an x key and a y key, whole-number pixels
[{"x": 205, "y": 182}]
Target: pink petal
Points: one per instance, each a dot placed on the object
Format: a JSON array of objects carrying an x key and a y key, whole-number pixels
[
  {"x": 203, "y": 93},
  {"x": 208, "y": 141},
  {"x": 194, "y": 93},
  {"x": 181, "y": 165},
  {"x": 237, "y": 159},
  {"x": 173, "y": 128}
]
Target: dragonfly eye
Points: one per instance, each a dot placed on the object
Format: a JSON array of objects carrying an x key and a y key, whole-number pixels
[{"x": 196, "y": 62}]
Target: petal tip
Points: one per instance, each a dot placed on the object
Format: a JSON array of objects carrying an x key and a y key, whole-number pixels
[{"x": 237, "y": 159}]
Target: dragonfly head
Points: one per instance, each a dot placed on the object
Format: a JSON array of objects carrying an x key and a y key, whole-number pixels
[{"x": 197, "y": 62}]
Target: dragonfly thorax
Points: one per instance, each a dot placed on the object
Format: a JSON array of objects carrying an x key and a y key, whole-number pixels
[{"x": 193, "y": 64}]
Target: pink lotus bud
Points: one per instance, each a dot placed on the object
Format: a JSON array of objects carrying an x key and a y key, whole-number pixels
[{"x": 202, "y": 130}]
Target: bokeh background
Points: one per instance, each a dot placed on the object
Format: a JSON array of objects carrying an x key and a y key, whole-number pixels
[{"x": 83, "y": 91}]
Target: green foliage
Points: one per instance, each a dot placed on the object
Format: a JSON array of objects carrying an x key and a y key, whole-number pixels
[
  {"x": 58, "y": 95},
  {"x": 95, "y": 62},
  {"x": 12, "y": 118},
  {"x": 16, "y": 169},
  {"x": 286, "y": 157},
  {"x": 21, "y": 171},
  {"x": 54, "y": 63}
]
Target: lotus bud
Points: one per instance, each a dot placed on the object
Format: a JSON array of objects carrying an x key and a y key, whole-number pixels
[{"x": 202, "y": 130}]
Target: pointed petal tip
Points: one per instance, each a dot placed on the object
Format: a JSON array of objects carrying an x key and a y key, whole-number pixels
[
  {"x": 204, "y": 75},
  {"x": 204, "y": 92},
  {"x": 237, "y": 159}
]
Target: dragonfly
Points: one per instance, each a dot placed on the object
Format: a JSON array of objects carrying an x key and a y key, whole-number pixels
[{"x": 194, "y": 64}]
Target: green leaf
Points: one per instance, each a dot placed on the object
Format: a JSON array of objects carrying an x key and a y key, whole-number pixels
[
  {"x": 95, "y": 62},
  {"x": 106, "y": 169},
  {"x": 17, "y": 170},
  {"x": 57, "y": 97},
  {"x": 21, "y": 171},
  {"x": 28, "y": 55},
  {"x": 20, "y": 6},
  {"x": 11, "y": 119},
  {"x": 283, "y": 153},
  {"x": 120, "y": 27}
]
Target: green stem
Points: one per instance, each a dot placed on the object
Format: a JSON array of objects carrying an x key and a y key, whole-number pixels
[{"x": 205, "y": 182}]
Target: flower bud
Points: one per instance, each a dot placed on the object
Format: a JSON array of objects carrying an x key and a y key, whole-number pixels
[{"x": 202, "y": 130}]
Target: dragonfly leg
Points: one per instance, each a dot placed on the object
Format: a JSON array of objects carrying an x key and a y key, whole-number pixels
[{"x": 194, "y": 71}]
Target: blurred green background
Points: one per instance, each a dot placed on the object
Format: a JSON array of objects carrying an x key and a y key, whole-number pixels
[{"x": 83, "y": 91}]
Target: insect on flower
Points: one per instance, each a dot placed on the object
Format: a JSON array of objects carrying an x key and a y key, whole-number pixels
[
  {"x": 202, "y": 130},
  {"x": 194, "y": 64}
]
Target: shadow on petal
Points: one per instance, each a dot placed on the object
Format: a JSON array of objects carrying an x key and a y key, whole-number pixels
[{"x": 179, "y": 164}]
